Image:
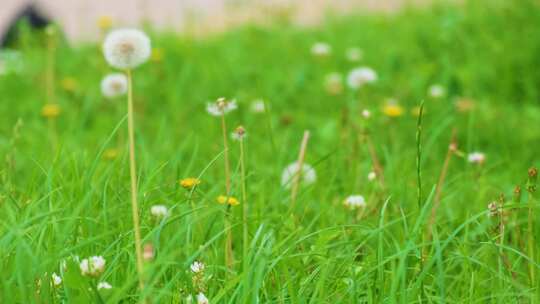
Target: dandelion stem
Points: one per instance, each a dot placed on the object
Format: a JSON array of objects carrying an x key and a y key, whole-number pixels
[
  {"x": 229, "y": 259},
  {"x": 419, "y": 154},
  {"x": 298, "y": 176},
  {"x": 531, "y": 188},
  {"x": 244, "y": 210},
  {"x": 133, "y": 176}
]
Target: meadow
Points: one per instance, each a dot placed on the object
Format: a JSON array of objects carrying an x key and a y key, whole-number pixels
[{"x": 438, "y": 150}]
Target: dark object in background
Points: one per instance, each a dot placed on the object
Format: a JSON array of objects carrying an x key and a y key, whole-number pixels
[{"x": 35, "y": 19}]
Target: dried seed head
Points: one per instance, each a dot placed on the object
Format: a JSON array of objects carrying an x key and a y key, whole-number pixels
[
  {"x": 517, "y": 195},
  {"x": 533, "y": 176}
]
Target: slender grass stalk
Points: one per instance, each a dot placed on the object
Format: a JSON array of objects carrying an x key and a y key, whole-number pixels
[
  {"x": 419, "y": 154},
  {"x": 531, "y": 188},
  {"x": 245, "y": 211},
  {"x": 50, "y": 79},
  {"x": 229, "y": 255},
  {"x": 133, "y": 176},
  {"x": 298, "y": 176}
]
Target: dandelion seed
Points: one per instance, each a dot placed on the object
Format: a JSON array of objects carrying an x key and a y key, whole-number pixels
[
  {"x": 476, "y": 158},
  {"x": 189, "y": 183},
  {"x": 308, "y": 175},
  {"x": 148, "y": 252},
  {"x": 159, "y": 211},
  {"x": 51, "y": 110},
  {"x": 126, "y": 48},
  {"x": 239, "y": 133},
  {"x": 372, "y": 176},
  {"x": 366, "y": 113},
  {"x": 201, "y": 299},
  {"x": 103, "y": 285},
  {"x": 436, "y": 91},
  {"x": 354, "y": 202},
  {"x": 392, "y": 108},
  {"x": 197, "y": 267},
  {"x": 114, "y": 85},
  {"x": 229, "y": 200},
  {"x": 354, "y": 54},
  {"x": 92, "y": 266},
  {"x": 321, "y": 49},
  {"x": 333, "y": 83},
  {"x": 257, "y": 106},
  {"x": 104, "y": 23},
  {"x": 56, "y": 279},
  {"x": 221, "y": 107},
  {"x": 360, "y": 76}
]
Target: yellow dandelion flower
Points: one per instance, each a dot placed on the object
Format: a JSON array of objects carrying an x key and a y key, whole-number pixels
[
  {"x": 190, "y": 182},
  {"x": 157, "y": 55},
  {"x": 110, "y": 154},
  {"x": 231, "y": 201},
  {"x": 69, "y": 84},
  {"x": 50, "y": 110},
  {"x": 104, "y": 22},
  {"x": 393, "y": 110}
]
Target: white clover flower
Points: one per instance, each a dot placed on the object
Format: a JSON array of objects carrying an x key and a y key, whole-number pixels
[
  {"x": 159, "y": 211},
  {"x": 197, "y": 267},
  {"x": 333, "y": 83},
  {"x": 126, "y": 48},
  {"x": 361, "y": 76},
  {"x": 366, "y": 113},
  {"x": 56, "y": 279},
  {"x": 354, "y": 202},
  {"x": 308, "y": 175},
  {"x": 354, "y": 54},
  {"x": 221, "y": 107},
  {"x": 476, "y": 158},
  {"x": 114, "y": 85},
  {"x": 321, "y": 49},
  {"x": 92, "y": 266},
  {"x": 372, "y": 176},
  {"x": 201, "y": 299},
  {"x": 437, "y": 91},
  {"x": 103, "y": 285},
  {"x": 257, "y": 106}
]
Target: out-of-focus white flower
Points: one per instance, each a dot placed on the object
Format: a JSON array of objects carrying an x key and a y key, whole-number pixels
[
  {"x": 493, "y": 209},
  {"x": 159, "y": 211},
  {"x": 354, "y": 202},
  {"x": 371, "y": 176},
  {"x": 221, "y": 107},
  {"x": 308, "y": 175},
  {"x": 321, "y": 49},
  {"x": 103, "y": 285},
  {"x": 56, "y": 279},
  {"x": 197, "y": 267},
  {"x": 360, "y": 76},
  {"x": 92, "y": 266},
  {"x": 354, "y": 54},
  {"x": 257, "y": 106},
  {"x": 126, "y": 48},
  {"x": 239, "y": 134},
  {"x": 114, "y": 85},
  {"x": 201, "y": 299},
  {"x": 366, "y": 113},
  {"x": 333, "y": 83},
  {"x": 476, "y": 158},
  {"x": 437, "y": 91}
]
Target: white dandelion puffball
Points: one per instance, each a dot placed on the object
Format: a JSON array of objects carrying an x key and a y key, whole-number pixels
[
  {"x": 159, "y": 211},
  {"x": 437, "y": 91},
  {"x": 56, "y": 279},
  {"x": 126, "y": 48},
  {"x": 114, "y": 85},
  {"x": 372, "y": 176},
  {"x": 321, "y": 49},
  {"x": 92, "y": 266},
  {"x": 361, "y": 76},
  {"x": 476, "y": 158},
  {"x": 197, "y": 267},
  {"x": 221, "y": 107},
  {"x": 103, "y": 285},
  {"x": 354, "y": 202},
  {"x": 354, "y": 54},
  {"x": 201, "y": 299},
  {"x": 366, "y": 113},
  {"x": 308, "y": 175},
  {"x": 257, "y": 106}
]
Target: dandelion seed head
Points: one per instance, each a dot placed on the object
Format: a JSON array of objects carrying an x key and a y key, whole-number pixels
[
  {"x": 126, "y": 48},
  {"x": 366, "y": 113},
  {"x": 360, "y": 76},
  {"x": 436, "y": 91},
  {"x": 159, "y": 211},
  {"x": 308, "y": 175},
  {"x": 239, "y": 133},
  {"x": 114, "y": 85},
  {"x": 476, "y": 157},
  {"x": 354, "y": 202},
  {"x": 221, "y": 107},
  {"x": 257, "y": 106},
  {"x": 321, "y": 49}
]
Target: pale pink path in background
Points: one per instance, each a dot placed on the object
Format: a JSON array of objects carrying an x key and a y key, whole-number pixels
[{"x": 78, "y": 17}]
